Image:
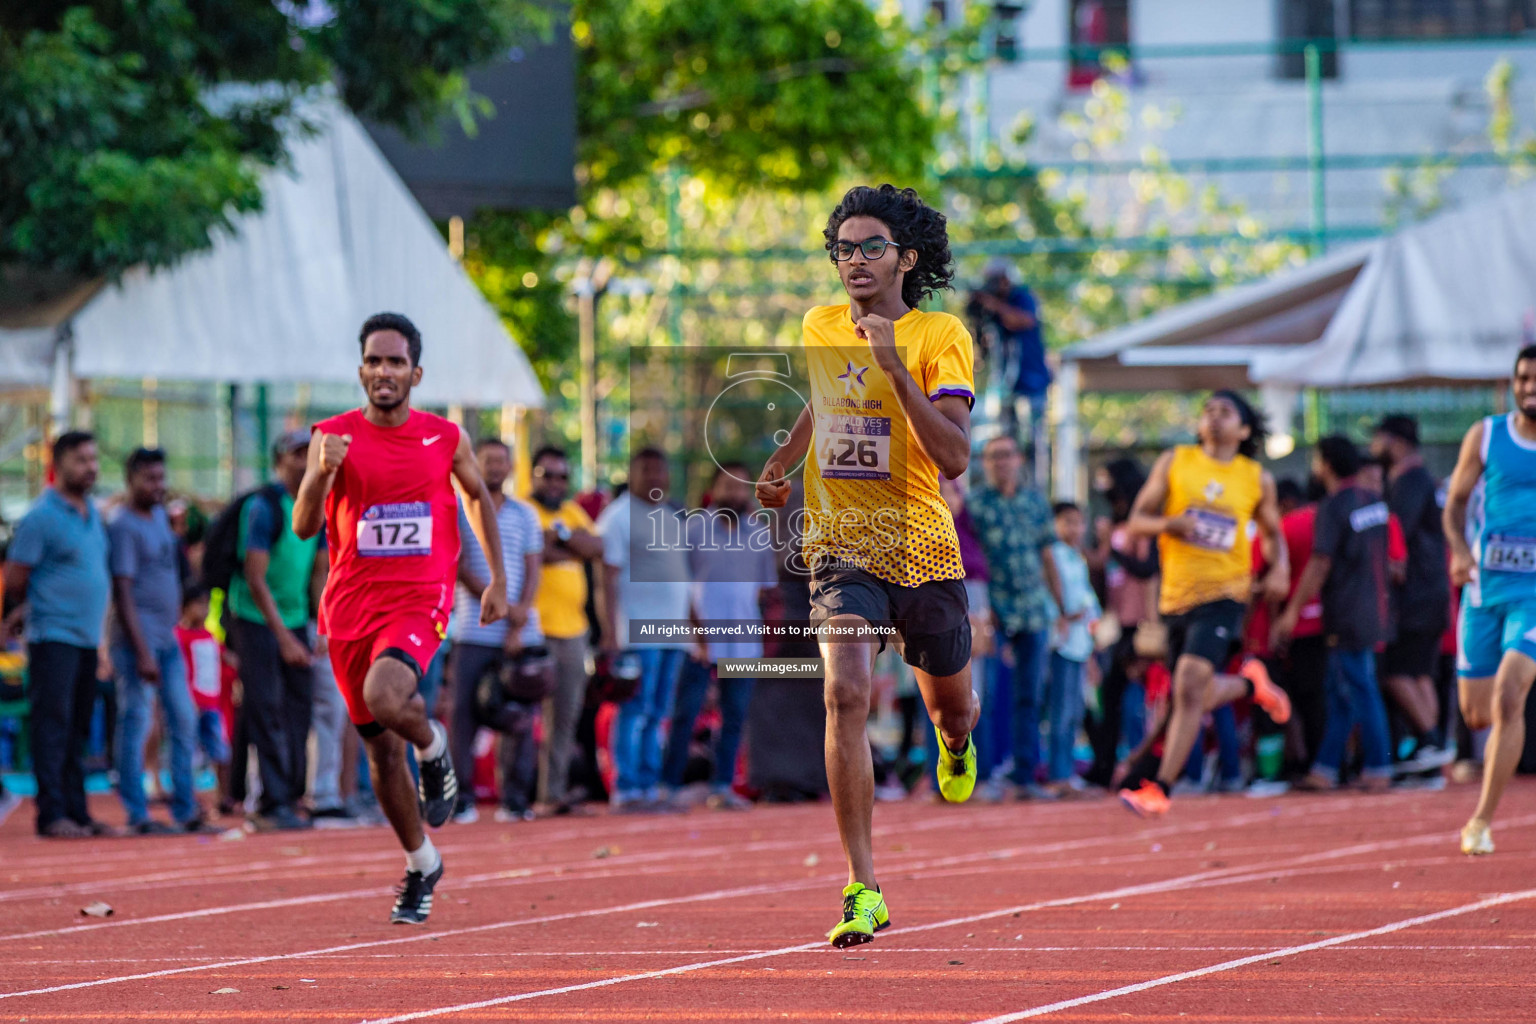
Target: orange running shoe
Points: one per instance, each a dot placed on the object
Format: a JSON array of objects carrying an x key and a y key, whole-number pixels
[
  {"x": 1148, "y": 802},
  {"x": 1266, "y": 694}
]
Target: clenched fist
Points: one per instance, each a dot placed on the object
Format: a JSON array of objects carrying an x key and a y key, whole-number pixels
[
  {"x": 772, "y": 487},
  {"x": 880, "y": 333},
  {"x": 333, "y": 451}
]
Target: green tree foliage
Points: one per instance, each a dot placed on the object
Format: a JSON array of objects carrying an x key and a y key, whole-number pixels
[
  {"x": 1088, "y": 283},
  {"x": 131, "y": 131},
  {"x": 692, "y": 113},
  {"x": 782, "y": 94}
]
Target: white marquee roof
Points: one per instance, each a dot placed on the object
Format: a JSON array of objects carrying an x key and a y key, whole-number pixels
[{"x": 339, "y": 238}]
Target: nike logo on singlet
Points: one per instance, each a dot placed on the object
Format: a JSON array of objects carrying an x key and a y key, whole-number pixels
[{"x": 431, "y": 440}]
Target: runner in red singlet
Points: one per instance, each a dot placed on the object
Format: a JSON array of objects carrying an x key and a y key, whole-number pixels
[{"x": 381, "y": 480}]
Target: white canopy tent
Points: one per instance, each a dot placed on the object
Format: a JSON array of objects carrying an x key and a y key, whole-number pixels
[
  {"x": 339, "y": 238},
  {"x": 1448, "y": 300},
  {"x": 1210, "y": 342}
]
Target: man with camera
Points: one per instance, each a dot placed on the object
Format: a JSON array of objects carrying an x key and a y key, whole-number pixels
[{"x": 1007, "y": 319}]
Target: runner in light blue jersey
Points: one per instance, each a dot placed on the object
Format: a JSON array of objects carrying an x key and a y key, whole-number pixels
[{"x": 1496, "y": 642}]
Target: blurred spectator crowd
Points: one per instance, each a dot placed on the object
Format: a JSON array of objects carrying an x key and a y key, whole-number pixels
[{"x": 170, "y": 648}]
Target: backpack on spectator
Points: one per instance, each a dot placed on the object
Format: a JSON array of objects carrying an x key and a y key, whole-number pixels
[{"x": 221, "y": 553}]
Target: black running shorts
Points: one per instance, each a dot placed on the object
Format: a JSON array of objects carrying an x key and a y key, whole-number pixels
[
  {"x": 933, "y": 618},
  {"x": 1211, "y": 631}
]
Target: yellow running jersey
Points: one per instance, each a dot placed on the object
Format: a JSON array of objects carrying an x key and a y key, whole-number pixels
[
  {"x": 1215, "y": 564},
  {"x": 871, "y": 493}
]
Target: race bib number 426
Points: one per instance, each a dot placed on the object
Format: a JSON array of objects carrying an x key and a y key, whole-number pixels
[
  {"x": 396, "y": 529},
  {"x": 854, "y": 447}
]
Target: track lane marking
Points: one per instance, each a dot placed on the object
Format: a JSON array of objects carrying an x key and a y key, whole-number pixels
[
  {"x": 1289, "y": 951},
  {"x": 1199, "y": 879},
  {"x": 1193, "y": 881},
  {"x": 528, "y": 874},
  {"x": 198, "y": 873}
]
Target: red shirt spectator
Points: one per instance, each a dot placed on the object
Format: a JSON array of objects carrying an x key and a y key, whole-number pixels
[
  {"x": 209, "y": 675},
  {"x": 1297, "y": 528}
]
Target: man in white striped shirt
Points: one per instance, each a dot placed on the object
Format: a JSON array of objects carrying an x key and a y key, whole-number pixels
[{"x": 477, "y": 647}]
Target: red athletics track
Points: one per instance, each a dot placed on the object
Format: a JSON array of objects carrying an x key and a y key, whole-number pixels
[{"x": 1337, "y": 908}]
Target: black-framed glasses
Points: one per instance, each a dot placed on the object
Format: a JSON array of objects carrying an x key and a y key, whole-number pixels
[
  {"x": 545, "y": 474},
  {"x": 873, "y": 248}
]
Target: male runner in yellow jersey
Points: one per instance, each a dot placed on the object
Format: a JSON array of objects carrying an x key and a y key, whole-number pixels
[
  {"x": 890, "y": 409},
  {"x": 1199, "y": 503}
]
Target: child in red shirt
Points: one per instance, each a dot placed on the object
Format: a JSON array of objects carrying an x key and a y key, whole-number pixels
[{"x": 211, "y": 680}]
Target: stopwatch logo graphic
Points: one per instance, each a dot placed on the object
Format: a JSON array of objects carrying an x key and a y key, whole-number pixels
[{"x": 754, "y": 413}]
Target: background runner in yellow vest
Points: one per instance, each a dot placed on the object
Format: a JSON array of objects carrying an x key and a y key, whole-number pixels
[
  {"x": 891, "y": 395},
  {"x": 1199, "y": 503}
]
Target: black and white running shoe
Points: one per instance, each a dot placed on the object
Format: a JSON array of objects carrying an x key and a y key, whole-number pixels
[
  {"x": 413, "y": 900},
  {"x": 437, "y": 791},
  {"x": 1426, "y": 758}
]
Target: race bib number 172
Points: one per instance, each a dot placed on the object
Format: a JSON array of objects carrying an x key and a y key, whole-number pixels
[{"x": 394, "y": 530}]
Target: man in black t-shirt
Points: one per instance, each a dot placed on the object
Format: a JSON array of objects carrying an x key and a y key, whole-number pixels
[
  {"x": 1349, "y": 568},
  {"x": 1424, "y": 600}
]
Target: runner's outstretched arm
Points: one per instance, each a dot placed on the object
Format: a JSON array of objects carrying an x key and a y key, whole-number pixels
[
  {"x": 1147, "y": 518},
  {"x": 941, "y": 426},
  {"x": 772, "y": 485},
  {"x": 481, "y": 512},
  {"x": 326, "y": 454},
  {"x": 1469, "y": 468}
]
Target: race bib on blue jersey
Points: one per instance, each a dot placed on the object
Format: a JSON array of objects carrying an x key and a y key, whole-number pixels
[
  {"x": 395, "y": 530},
  {"x": 1505, "y": 553}
]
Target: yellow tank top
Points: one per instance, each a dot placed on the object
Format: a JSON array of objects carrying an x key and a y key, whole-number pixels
[{"x": 1216, "y": 563}]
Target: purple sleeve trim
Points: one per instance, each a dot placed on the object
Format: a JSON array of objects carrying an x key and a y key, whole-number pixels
[{"x": 969, "y": 396}]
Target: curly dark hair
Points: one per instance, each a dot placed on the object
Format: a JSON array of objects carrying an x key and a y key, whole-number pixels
[{"x": 914, "y": 225}]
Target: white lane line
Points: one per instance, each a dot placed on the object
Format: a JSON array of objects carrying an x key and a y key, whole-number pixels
[
  {"x": 1230, "y": 965},
  {"x": 559, "y": 873},
  {"x": 198, "y": 873},
  {"x": 1198, "y": 880},
  {"x": 525, "y": 876},
  {"x": 423, "y": 936},
  {"x": 1180, "y": 882},
  {"x": 107, "y": 854},
  {"x": 873, "y": 954},
  {"x": 763, "y": 889}
]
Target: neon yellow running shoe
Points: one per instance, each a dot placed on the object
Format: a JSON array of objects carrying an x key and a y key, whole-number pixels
[
  {"x": 864, "y": 914},
  {"x": 1476, "y": 839},
  {"x": 957, "y": 772}
]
